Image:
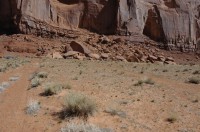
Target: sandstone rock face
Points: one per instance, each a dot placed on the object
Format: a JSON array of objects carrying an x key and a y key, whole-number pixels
[{"x": 176, "y": 23}]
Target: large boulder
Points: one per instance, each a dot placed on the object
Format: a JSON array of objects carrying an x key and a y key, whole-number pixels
[{"x": 79, "y": 47}]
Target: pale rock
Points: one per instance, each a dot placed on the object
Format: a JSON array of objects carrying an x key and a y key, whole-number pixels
[
  {"x": 104, "y": 55},
  {"x": 94, "y": 56},
  {"x": 57, "y": 55}
]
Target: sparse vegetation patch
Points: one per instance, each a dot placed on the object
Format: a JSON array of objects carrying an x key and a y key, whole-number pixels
[
  {"x": 83, "y": 127},
  {"x": 194, "y": 80},
  {"x": 77, "y": 104},
  {"x": 196, "y": 72},
  {"x": 52, "y": 88},
  {"x": 36, "y": 78},
  {"x": 35, "y": 82},
  {"x": 14, "y": 78},
  {"x": 145, "y": 81},
  {"x": 33, "y": 107},
  {"x": 114, "y": 112},
  {"x": 42, "y": 74}
]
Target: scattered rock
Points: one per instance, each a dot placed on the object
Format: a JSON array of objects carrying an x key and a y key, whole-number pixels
[
  {"x": 170, "y": 62},
  {"x": 104, "y": 55},
  {"x": 118, "y": 40},
  {"x": 94, "y": 56},
  {"x": 133, "y": 58},
  {"x": 105, "y": 50},
  {"x": 26, "y": 38},
  {"x": 79, "y": 57},
  {"x": 161, "y": 58},
  {"x": 152, "y": 58},
  {"x": 49, "y": 56},
  {"x": 57, "y": 55},
  {"x": 121, "y": 58},
  {"x": 67, "y": 48},
  {"x": 139, "y": 52},
  {"x": 70, "y": 53},
  {"x": 104, "y": 40},
  {"x": 159, "y": 62},
  {"x": 169, "y": 59},
  {"x": 77, "y": 46},
  {"x": 143, "y": 59}
]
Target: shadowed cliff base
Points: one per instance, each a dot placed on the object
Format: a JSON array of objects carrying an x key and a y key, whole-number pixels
[
  {"x": 9, "y": 17},
  {"x": 69, "y": 2}
]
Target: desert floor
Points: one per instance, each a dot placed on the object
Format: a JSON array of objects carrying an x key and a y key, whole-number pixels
[{"x": 129, "y": 97}]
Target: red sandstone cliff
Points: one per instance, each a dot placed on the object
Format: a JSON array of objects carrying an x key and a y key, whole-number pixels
[{"x": 176, "y": 23}]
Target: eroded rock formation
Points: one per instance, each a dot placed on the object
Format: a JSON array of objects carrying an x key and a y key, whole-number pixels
[{"x": 176, "y": 23}]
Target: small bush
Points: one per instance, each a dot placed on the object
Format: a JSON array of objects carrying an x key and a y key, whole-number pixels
[
  {"x": 14, "y": 78},
  {"x": 32, "y": 76},
  {"x": 114, "y": 112},
  {"x": 139, "y": 83},
  {"x": 3, "y": 68},
  {"x": 75, "y": 78},
  {"x": 149, "y": 81},
  {"x": 67, "y": 86},
  {"x": 35, "y": 82},
  {"x": 38, "y": 75},
  {"x": 165, "y": 70},
  {"x": 52, "y": 88},
  {"x": 78, "y": 105},
  {"x": 171, "y": 119},
  {"x": 42, "y": 74},
  {"x": 196, "y": 72},
  {"x": 144, "y": 81},
  {"x": 1, "y": 88},
  {"x": 72, "y": 127},
  {"x": 194, "y": 80},
  {"x": 33, "y": 107},
  {"x": 5, "y": 84}
]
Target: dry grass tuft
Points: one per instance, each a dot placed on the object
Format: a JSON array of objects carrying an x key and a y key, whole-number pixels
[
  {"x": 33, "y": 107},
  {"x": 78, "y": 105}
]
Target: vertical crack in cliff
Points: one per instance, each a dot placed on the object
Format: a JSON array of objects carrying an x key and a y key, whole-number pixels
[
  {"x": 153, "y": 26},
  {"x": 103, "y": 21}
]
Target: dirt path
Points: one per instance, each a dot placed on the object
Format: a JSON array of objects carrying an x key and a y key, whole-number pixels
[{"x": 14, "y": 99}]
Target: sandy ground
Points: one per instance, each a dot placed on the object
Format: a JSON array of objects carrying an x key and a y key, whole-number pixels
[{"x": 111, "y": 85}]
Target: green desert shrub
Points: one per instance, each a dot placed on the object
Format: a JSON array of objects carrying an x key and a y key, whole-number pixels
[
  {"x": 35, "y": 82},
  {"x": 77, "y": 104},
  {"x": 52, "y": 88},
  {"x": 194, "y": 80},
  {"x": 42, "y": 74}
]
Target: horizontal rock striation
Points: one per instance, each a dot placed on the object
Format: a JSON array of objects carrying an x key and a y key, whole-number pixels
[{"x": 175, "y": 23}]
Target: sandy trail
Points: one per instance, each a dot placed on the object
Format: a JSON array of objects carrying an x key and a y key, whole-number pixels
[{"x": 14, "y": 99}]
